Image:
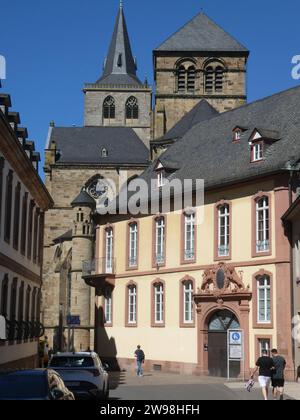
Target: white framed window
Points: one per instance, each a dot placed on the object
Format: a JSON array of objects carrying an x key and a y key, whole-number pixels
[
  {"x": 189, "y": 237},
  {"x": 224, "y": 231},
  {"x": 133, "y": 244},
  {"x": 108, "y": 308},
  {"x": 160, "y": 178},
  {"x": 257, "y": 152},
  {"x": 264, "y": 300},
  {"x": 264, "y": 344},
  {"x": 109, "y": 237},
  {"x": 159, "y": 303},
  {"x": 132, "y": 305},
  {"x": 160, "y": 240},
  {"x": 263, "y": 225},
  {"x": 188, "y": 304},
  {"x": 237, "y": 135}
]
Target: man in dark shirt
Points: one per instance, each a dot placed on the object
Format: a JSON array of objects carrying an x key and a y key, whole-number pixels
[
  {"x": 140, "y": 359},
  {"x": 265, "y": 364},
  {"x": 278, "y": 375}
]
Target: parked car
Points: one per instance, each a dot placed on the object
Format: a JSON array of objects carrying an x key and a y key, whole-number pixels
[
  {"x": 38, "y": 384},
  {"x": 83, "y": 374}
]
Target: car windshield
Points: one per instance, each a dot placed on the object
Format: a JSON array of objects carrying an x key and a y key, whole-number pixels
[
  {"x": 23, "y": 386},
  {"x": 73, "y": 362}
]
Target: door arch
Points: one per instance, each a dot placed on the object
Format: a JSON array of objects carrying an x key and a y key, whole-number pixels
[{"x": 218, "y": 325}]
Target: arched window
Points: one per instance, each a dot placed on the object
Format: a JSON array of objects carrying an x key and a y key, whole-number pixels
[
  {"x": 159, "y": 303},
  {"x": 160, "y": 241},
  {"x": 186, "y": 77},
  {"x": 132, "y": 304},
  {"x": 8, "y": 206},
  {"x": 109, "y": 108},
  {"x": 224, "y": 230},
  {"x": 13, "y": 300},
  {"x": 188, "y": 303},
  {"x": 133, "y": 245},
  {"x": 264, "y": 299},
  {"x": 104, "y": 153},
  {"x": 191, "y": 78},
  {"x": 262, "y": 225},
  {"x": 181, "y": 79},
  {"x": 21, "y": 303},
  {"x": 214, "y": 78},
  {"x": 132, "y": 109}
]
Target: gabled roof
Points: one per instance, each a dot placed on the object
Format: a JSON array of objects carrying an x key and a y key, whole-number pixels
[
  {"x": 266, "y": 134},
  {"x": 120, "y": 66},
  {"x": 83, "y": 199},
  {"x": 202, "y": 34},
  {"x": 201, "y": 112},
  {"x": 83, "y": 145}
]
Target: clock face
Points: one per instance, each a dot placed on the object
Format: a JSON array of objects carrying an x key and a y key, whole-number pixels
[{"x": 98, "y": 189}]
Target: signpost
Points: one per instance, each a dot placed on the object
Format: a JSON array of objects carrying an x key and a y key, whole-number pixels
[
  {"x": 2, "y": 328},
  {"x": 235, "y": 343}
]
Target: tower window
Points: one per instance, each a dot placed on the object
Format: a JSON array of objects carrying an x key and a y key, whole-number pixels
[
  {"x": 186, "y": 78},
  {"x": 214, "y": 79},
  {"x": 109, "y": 108},
  {"x": 132, "y": 109}
]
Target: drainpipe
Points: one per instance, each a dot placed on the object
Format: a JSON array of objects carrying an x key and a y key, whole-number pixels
[{"x": 290, "y": 233}]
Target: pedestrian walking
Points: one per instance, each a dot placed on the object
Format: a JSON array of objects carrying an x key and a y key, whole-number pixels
[
  {"x": 140, "y": 360},
  {"x": 265, "y": 365},
  {"x": 278, "y": 375}
]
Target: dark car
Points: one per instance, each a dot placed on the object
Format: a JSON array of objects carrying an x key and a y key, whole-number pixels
[{"x": 39, "y": 384}]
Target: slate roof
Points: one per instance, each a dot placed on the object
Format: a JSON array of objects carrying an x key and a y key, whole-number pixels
[
  {"x": 202, "y": 34},
  {"x": 67, "y": 236},
  {"x": 208, "y": 152},
  {"x": 201, "y": 112},
  {"x": 83, "y": 145},
  {"x": 83, "y": 199},
  {"x": 120, "y": 66}
]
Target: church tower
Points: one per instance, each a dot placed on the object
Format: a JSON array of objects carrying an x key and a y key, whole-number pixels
[
  {"x": 119, "y": 98},
  {"x": 200, "y": 61}
]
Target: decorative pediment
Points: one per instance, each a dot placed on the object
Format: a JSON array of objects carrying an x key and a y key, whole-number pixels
[{"x": 222, "y": 280}]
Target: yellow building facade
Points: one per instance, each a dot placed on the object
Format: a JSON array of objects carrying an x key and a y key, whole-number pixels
[{"x": 190, "y": 345}]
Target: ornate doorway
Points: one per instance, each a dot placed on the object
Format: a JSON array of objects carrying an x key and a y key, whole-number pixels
[
  {"x": 222, "y": 302},
  {"x": 218, "y": 325}
]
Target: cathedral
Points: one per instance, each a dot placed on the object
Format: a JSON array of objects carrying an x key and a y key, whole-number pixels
[{"x": 199, "y": 72}]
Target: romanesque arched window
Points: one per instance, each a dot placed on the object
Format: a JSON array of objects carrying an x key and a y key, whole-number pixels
[
  {"x": 109, "y": 108},
  {"x": 214, "y": 78},
  {"x": 132, "y": 108},
  {"x": 186, "y": 77}
]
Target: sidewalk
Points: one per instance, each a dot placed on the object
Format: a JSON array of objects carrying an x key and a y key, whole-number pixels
[{"x": 292, "y": 389}]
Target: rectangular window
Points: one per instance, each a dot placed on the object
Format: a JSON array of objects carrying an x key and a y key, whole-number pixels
[
  {"x": 109, "y": 250},
  {"x": 17, "y": 216},
  {"x": 189, "y": 237},
  {"x": 223, "y": 231},
  {"x": 160, "y": 241},
  {"x": 264, "y": 300},
  {"x": 159, "y": 304},
  {"x": 30, "y": 230},
  {"x": 24, "y": 224},
  {"x": 133, "y": 244},
  {"x": 188, "y": 303},
  {"x": 108, "y": 309},
  {"x": 264, "y": 344},
  {"x": 262, "y": 225},
  {"x": 8, "y": 206},
  {"x": 257, "y": 152},
  {"x": 1, "y": 188},
  {"x": 132, "y": 305},
  {"x": 160, "y": 179}
]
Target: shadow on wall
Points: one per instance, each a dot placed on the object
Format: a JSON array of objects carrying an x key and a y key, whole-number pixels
[{"x": 107, "y": 351}]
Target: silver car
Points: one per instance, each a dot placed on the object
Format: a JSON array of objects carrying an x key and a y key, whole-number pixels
[{"x": 83, "y": 373}]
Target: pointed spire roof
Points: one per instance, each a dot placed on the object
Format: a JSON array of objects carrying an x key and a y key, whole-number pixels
[
  {"x": 202, "y": 34},
  {"x": 120, "y": 67}
]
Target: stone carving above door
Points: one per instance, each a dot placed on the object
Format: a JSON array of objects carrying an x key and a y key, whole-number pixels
[{"x": 222, "y": 279}]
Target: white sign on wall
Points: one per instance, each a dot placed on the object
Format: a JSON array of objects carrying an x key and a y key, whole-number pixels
[{"x": 2, "y": 328}]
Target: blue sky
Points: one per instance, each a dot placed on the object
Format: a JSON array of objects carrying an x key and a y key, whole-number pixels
[{"x": 53, "y": 47}]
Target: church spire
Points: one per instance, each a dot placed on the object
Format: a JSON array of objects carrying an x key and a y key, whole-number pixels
[{"x": 120, "y": 66}]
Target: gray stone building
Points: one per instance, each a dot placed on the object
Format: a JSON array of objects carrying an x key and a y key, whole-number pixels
[{"x": 82, "y": 166}]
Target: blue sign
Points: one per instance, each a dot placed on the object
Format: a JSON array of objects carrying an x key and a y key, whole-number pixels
[{"x": 73, "y": 320}]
